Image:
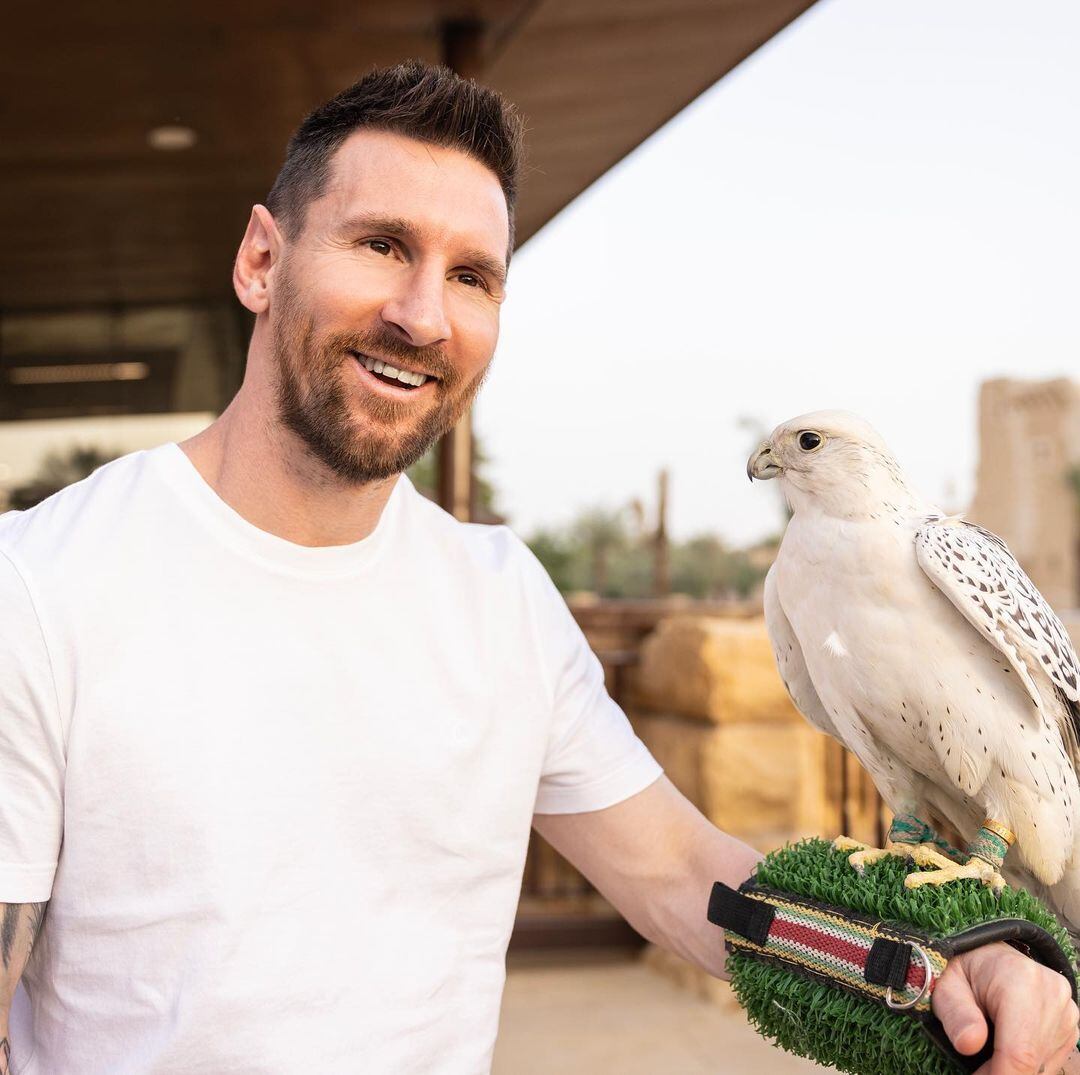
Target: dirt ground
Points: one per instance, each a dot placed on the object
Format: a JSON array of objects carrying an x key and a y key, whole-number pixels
[{"x": 622, "y": 1016}]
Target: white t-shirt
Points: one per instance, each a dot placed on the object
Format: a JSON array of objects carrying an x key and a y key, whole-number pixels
[{"x": 278, "y": 797}]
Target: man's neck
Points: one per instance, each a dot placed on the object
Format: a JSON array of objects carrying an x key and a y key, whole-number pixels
[{"x": 264, "y": 473}]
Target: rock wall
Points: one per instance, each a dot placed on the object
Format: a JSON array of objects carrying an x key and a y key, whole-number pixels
[
  {"x": 708, "y": 702},
  {"x": 1029, "y": 442}
]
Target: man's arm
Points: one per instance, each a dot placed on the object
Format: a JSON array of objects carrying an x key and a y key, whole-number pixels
[
  {"x": 20, "y": 924},
  {"x": 655, "y": 856}
]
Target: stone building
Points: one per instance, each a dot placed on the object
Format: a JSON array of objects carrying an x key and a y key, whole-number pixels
[{"x": 1029, "y": 445}]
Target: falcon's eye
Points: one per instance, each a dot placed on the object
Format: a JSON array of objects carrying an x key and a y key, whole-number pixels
[{"x": 809, "y": 440}]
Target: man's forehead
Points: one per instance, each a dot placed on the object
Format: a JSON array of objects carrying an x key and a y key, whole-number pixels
[{"x": 446, "y": 195}]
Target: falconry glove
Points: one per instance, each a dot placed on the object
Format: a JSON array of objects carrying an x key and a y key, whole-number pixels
[{"x": 826, "y": 978}]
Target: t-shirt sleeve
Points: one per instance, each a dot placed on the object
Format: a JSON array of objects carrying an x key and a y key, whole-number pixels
[
  {"x": 594, "y": 759},
  {"x": 31, "y": 749}
]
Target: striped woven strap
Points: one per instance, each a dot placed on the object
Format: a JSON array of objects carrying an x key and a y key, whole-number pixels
[{"x": 853, "y": 951}]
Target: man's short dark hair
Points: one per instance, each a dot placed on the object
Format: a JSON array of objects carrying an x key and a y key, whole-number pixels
[{"x": 415, "y": 99}]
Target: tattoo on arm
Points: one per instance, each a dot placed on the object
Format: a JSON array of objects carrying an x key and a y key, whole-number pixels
[
  {"x": 19, "y": 928},
  {"x": 20, "y": 924},
  {"x": 7, "y": 932}
]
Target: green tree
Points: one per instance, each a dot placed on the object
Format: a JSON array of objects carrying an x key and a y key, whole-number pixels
[
  {"x": 424, "y": 474},
  {"x": 631, "y": 569},
  {"x": 705, "y": 567},
  {"x": 600, "y": 533},
  {"x": 1072, "y": 477},
  {"x": 561, "y": 559},
  {"x": 600, "y": 551},
  {"x": 58, "y": 470}
]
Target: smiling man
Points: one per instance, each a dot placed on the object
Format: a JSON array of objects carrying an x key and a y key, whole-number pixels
[{"x": 273, "y": 727}]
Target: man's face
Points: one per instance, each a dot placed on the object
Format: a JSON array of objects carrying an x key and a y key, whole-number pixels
[{"x": 400, "y": 264}]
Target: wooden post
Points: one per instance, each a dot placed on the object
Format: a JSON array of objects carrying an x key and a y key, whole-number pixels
[
  {"x": 661, "y": 550},
  {"x": 456, "y": 491},
  {"x": 462, "y": 43}
]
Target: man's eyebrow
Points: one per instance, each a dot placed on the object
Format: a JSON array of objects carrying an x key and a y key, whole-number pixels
[
  {"x": 389, "y": 225},
  {"x": 486, "y": 263},
  {"x": 400, "y": 228}
]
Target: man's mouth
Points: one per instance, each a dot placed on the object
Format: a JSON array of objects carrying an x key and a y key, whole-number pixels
[{"x": 391, "y": 374}]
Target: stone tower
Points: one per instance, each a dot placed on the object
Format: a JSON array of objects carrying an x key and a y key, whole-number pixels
[{"x": 1029, "y": 442}]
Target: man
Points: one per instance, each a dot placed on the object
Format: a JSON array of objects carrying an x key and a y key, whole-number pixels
[{"x": 274, "y": 728}]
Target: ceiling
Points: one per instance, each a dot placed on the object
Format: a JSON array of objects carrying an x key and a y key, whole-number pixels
[{"x": 92, "y": 216}]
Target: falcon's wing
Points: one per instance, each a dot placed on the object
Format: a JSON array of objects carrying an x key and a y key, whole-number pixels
[
  {"x": 790, "y": 661},
  {"x": 976, "y": 571}
]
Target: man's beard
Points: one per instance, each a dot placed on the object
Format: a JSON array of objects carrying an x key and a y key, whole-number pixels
[{"x": 374, "y": 440}]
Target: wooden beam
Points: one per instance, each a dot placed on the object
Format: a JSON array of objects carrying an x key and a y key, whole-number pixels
[
  {"x": 661, "y": 550},
  {"x": 462, "y": 42},
  {"x": 456, "y": 491}
]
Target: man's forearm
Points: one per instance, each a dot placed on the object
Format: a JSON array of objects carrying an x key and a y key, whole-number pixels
[
  {"x": 20, "y": 924},
  {"x": 681, "y": 921},
  {"x": 656, "y": 857}
]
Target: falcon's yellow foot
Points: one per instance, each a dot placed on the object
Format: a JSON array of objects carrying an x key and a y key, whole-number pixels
[
  {"x": 974, "y": 867},
  {"x": 864, "y": 855}
]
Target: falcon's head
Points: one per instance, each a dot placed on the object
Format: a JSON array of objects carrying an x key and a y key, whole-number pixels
[{"x": 833, "y": 458}]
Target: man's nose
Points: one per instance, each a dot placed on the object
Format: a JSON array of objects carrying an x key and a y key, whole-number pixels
[{"x": 418, "y": 309}]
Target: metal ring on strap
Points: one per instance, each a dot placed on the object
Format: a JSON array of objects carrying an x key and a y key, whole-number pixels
[{"x": 928, "y": 977}]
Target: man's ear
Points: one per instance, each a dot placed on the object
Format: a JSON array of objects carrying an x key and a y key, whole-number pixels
[{"x": 259, "y": 252}]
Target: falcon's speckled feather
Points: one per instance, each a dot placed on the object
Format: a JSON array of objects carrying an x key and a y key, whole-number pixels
[{"x": 917, "y": 640}]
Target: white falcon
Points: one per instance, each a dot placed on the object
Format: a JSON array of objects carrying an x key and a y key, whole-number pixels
[{"x": 917, "y": 640}]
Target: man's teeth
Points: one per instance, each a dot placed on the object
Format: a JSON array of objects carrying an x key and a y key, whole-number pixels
[{"x": 376, "y": 365}]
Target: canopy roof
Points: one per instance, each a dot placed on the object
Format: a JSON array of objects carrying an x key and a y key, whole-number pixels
[{"x": 93, "y": 216}]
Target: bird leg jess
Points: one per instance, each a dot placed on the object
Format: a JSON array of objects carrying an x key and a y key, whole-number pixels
[
  {"x": 986, "y": 853},
  {"x": 908, "y": 838}
]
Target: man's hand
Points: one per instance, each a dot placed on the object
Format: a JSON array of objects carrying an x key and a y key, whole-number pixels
[{"x": 1031, "y": 1007}]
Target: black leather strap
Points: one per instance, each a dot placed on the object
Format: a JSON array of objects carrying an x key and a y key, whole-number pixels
[
  {"x": 888, "y": 962},
  {"x": 742, "y": 915},
  {"x": 1035, "y": 941}
]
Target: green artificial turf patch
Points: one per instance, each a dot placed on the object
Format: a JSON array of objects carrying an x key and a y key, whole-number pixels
[{"x": 837, "y": 1028}]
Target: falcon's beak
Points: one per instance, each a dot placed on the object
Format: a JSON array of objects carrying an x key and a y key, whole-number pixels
[{"x": 761, "y": 463}]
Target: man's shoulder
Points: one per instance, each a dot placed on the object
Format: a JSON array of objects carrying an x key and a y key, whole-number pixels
[
  {"x": 93, "y": 508},
  {"x": 489, "y": 548}
]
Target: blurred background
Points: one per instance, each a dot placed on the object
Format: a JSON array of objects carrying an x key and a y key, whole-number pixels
[{"x": 734, "y": 211}]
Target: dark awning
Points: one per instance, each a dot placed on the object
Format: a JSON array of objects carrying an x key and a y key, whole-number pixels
[{"x": 92, "y": 215}]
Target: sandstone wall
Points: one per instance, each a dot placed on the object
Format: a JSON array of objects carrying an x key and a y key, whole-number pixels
[
  {"x": 708, "y": 702},
  {"x": 1029, "y": 441}
]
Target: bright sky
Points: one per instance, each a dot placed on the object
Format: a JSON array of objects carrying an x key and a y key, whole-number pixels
[{"x": 877, "y": 211}]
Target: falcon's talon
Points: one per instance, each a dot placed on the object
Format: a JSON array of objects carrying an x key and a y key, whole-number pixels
[
  {"x": 863, "y": 855},
  {"x": 871, "y": 856},
  {"x": 975, "y": 868},
  {"x": 925, "y": 855}
]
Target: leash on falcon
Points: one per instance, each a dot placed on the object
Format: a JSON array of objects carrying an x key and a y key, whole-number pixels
[{"x": 839, "y": 966}]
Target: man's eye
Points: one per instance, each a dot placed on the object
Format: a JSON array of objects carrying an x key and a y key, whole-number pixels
[
  {"x": 470, "y": 279},
  {"x": 380, "y": 246}
]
